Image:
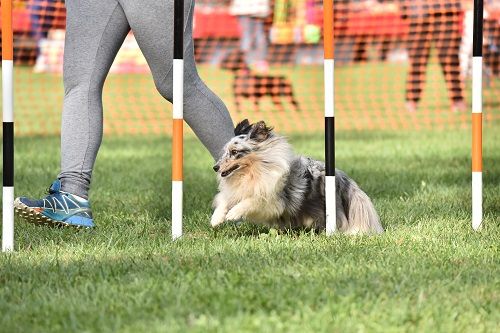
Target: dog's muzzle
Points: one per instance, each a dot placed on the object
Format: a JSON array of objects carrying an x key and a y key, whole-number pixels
[{"x": 227, "y": 172}]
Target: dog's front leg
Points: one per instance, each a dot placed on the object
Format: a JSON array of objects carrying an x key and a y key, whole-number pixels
[
  {"x": 221, "y": 208},
  {"x": 240, "y": 210}
]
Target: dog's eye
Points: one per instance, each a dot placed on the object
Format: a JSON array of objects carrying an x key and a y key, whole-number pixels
[{"x": 234, "y": 152}]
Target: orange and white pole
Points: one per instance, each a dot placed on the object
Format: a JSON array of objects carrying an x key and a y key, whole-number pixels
[
  {"x": 329, "y": 74},
  {"x": 8, "y": 127},
  {"x": 178, "y": 119},
  {"x": 477, "y": 116}
]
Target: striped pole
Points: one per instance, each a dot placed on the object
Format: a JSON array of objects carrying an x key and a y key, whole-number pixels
[
  {"x": 8, "y": 127},
  {"x": 477, "y": 116},
  {"x": 177, "y": 135},
  {"x": 329, "y": 65}
]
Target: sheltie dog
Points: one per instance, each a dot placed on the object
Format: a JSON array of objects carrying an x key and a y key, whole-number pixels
[{"x": 261, "y": 180}]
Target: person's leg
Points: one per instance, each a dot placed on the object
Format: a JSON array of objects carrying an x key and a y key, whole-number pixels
[
  {"x": 360, "y": 48},
  {"x": 448, "y": 38},
  {"x": 419, "y": 45},
  {"x": 95, "y": 30},
  {"x": 152, "y": 23},
  {"x": 260, "y": 44},
  {"x": 385, "y": 47},
  {"x": 41, "y": 14},
  {"x": 466, "y": 44},
  {"x": 246, "y": 39}
]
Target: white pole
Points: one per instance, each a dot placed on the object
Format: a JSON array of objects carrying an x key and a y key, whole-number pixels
[
  {"x": 477, "y": 114},
  {"x": 8, "y": 128},
  {"x": 178, "y": 122},
  {"x": 329, "y": 74}
]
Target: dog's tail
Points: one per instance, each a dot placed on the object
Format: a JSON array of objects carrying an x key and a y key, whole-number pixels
[{"x": 362, "y": 218}]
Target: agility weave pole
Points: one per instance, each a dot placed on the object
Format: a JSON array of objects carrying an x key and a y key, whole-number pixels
[
  {"x": 477, "y": 116},
  {"x": 329, "y": 74},
  {"x": 178, "y": 119},
  {"x": 8, "y": 127}
]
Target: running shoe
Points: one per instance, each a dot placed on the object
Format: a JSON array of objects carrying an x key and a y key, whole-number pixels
[{"x": 58, "y": 209}]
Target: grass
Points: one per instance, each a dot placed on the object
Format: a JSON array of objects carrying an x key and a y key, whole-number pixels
[{"x": 428, "y": 273}]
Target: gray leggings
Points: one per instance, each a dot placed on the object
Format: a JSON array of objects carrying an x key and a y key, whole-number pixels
[{"x": 95, "y": 30}]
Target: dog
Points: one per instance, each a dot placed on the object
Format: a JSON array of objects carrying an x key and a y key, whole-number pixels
[
  {"x": 247, "y": 84},
  {"x": 261, "y": 180}
]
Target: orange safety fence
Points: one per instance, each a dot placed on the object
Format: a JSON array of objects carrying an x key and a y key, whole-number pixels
[{"x": 400, "y": 65}]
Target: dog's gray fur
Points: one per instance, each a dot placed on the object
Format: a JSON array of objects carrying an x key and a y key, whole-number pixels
[{"x": 261, "y": 180}]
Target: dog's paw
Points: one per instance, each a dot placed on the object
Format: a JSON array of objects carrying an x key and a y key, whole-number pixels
[
  {"x": 234, "y": 214},
  {"x": 217, "y": 218}
]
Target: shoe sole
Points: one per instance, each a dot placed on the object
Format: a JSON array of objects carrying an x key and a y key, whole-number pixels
[{"x": 32, "y": 216}]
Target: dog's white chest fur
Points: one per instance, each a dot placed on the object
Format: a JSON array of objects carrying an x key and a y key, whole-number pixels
[{"x": 259, "y": 191}]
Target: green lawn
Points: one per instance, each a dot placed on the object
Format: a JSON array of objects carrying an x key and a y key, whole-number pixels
[{"x": 428, "y": 273}]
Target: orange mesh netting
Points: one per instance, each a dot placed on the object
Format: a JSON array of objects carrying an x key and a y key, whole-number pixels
[{"x": 399, "y": 65}]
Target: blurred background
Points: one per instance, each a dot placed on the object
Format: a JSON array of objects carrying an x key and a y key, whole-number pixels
[{"x": 400, "y": 65}]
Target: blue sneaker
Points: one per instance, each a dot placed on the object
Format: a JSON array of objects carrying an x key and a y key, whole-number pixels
[{"x": 57, "y": 209}]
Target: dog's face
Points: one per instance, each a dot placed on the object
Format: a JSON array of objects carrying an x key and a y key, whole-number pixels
[
  {"x": 240, "y": 151},
  {"x": 233, "y": 61}
]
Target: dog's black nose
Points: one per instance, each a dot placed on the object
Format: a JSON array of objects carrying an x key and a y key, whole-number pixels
[{"x": 216, "y": 168}]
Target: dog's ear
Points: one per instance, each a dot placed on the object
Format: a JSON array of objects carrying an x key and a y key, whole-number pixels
[
  {"x": 242, "y": 128},
  {"x": 260, "y": 131}
]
